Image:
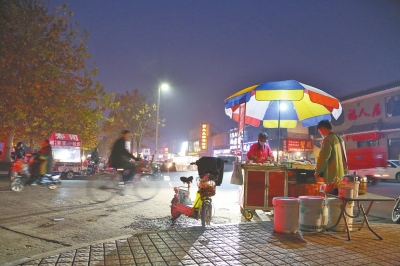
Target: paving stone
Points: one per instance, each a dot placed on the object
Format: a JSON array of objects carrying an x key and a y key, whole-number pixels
[
  {"x": 96, "y": 263},
  {"x": 80, "y": 263},
  {"x": 243, "y": 244}
]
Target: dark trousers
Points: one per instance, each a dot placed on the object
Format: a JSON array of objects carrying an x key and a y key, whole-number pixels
[
  {"x": 132, "y": 169},
  {"x": 34, "y": 172}
]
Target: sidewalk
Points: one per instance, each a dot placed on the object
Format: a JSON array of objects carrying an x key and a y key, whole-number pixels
[{"x": 239, "y": 244}]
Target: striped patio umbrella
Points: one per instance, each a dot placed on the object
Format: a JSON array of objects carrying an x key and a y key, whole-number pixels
[{"x": 282, "y": 104}]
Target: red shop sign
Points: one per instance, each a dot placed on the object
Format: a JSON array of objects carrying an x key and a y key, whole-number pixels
[
  {"x": 297, "y": 145},
  {"x": 365, "y": 136},
  {"x": 63, "y": 139}
]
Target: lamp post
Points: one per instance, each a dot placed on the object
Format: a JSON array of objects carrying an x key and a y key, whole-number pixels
[{"x": 163, "y": 86}]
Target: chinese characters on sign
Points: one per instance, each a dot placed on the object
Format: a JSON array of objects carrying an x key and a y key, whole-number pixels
[
  {"x": 297, "y": 145},
  {"x": 353, "y": 114},
  {"x": 60, "y": 139},
  {"x": 204, "y": 136},
  {"x": 234, "y": 140}
]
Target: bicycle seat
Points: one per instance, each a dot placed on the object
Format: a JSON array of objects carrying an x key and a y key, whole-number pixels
[{"x": 187, "y": 180}]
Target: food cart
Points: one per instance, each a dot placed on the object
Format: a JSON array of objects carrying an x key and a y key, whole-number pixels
[
  {"x": 263, "y": 182},
  {"x": 67, "y": 154}
]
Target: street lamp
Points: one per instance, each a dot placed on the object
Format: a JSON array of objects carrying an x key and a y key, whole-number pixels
[{"x": 163, "y": 86}]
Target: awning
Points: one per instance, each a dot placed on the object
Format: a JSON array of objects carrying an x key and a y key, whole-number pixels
[
  {"x": 366, "y": 136},
  {"x": 391, "y": 127},
  {"x": 363, "y": 128},
  {"x": 370, "y": 131},
  {"x": 363, "y": 132}
]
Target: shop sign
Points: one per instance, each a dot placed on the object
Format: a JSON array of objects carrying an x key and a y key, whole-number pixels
[
  {"x": 297, "y": 145},
  {"x": 242, "y": 115},
  {"x": 223, "y": 151},
  {"x": 62, "y": 139},
  {"x": 204, "y": 137},
  {"x": 235, "y": 139},
  {"x": 246, "y": 146},
  {"x": 365, "y": 136},
  {"x": 146, "y": 152},
  {"x": 354, "y": 114}
]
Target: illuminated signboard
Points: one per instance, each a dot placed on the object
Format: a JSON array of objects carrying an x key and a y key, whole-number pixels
[
  {"x": 297, "y": 145},
  {"x": 204, "y": 137}
]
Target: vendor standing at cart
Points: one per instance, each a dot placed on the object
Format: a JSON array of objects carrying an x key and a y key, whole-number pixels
[
  {"x": 260, "y": 152},
  {"x": 332, "y": 161}
]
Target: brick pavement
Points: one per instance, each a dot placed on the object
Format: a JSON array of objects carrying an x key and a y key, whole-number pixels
[{"x": 239, "y": 244}]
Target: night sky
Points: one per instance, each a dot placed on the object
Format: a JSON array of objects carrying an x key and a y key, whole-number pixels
[{"x": 208, "y": 50}]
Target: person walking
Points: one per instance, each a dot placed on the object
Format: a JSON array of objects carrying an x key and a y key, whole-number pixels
[
  {"x": 332, "y": 161},
  {"x": 260, "y": 152},
  {"x": 94, "y": 157}
]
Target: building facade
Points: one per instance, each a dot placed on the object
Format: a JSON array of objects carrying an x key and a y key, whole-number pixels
[{"x": 372, "y": 118}]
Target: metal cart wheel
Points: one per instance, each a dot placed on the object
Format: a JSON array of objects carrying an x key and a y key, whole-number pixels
[{"x": 248, "y": 215}]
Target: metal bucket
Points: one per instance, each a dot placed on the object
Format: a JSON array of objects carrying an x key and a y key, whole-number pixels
[{"x": 363, "y": 185}]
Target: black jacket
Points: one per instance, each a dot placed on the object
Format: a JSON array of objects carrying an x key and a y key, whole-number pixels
[
  {"x": 95, "y": 157},
  {"x": 20, "y": 153},
  {"x": 119, "y": 155}
]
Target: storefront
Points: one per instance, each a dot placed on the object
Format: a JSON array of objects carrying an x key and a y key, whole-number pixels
[
  {"x": 371, "y": 118},
  {"x": 221, "y": 144},
  {"x": 199, "y": 143},
  {"x": 297, "y": 149}
]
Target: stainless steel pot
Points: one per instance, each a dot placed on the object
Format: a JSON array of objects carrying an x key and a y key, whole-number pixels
[
  {"x": 350, "y": 178},
  {"x": 354, "y": 178}
]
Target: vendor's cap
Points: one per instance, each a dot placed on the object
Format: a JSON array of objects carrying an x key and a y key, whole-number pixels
[{"x": 19, "y": 144}]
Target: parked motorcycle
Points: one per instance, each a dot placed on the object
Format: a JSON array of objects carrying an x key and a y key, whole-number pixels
[
  {"x": 396, "y": 211},
  {"x": 22, "y": 176}
]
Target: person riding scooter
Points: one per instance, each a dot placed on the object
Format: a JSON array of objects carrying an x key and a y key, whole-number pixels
[{"x": 42, "y": 163}]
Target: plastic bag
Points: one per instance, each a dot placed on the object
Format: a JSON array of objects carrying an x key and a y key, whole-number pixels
[{"x": 237, "y": 176}]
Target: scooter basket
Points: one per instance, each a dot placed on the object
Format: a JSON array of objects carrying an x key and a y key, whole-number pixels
[{"x": 206, "y": 187}]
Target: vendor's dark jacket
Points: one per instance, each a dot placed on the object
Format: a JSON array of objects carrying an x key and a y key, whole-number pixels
[{"x": 119, "y": 155}]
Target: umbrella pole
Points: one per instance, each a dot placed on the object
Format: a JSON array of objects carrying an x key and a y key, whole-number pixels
[
  {"x": 244, "y": 126},
  {"x": 279, "y": 130}
]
